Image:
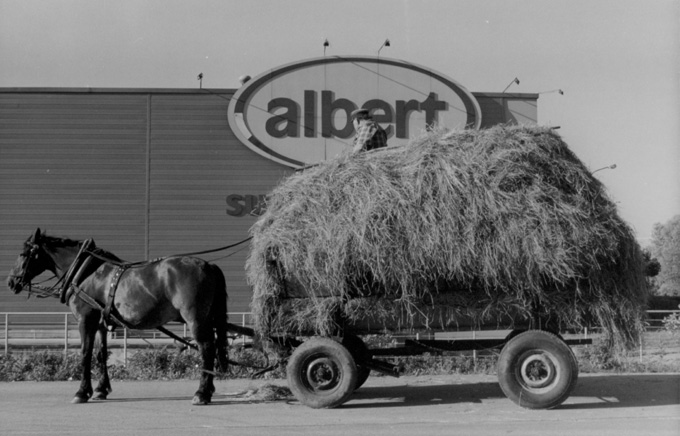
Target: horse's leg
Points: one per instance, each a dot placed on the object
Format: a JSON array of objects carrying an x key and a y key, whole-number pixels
[
  {"x": 104, "y": 388},
  {"x": 88, "y": 331},
  {"x": 221, "y": 345},
  {"x": 219, "y": 317},
  {"x": 205, "y": 339}
]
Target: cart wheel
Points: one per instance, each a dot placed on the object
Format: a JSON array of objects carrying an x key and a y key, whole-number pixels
[
  {"x": 360, "y": 353},
  {"x": 537, "y": 370},
  {"x": 321, "y": 373}
]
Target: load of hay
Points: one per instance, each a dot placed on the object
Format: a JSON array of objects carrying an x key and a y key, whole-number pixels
[{"x": 504, "y": 223}]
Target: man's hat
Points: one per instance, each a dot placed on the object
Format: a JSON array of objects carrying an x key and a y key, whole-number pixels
[{"x": 358, "y": 112}]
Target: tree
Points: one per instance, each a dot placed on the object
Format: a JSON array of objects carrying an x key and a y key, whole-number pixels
[
  {"x": 652, "y": 265},
  {"x": 666, "y": 249},
  {"x": 651, "y": 270}
]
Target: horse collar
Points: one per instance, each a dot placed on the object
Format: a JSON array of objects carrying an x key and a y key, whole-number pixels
[{"x": 75, "y": 272}]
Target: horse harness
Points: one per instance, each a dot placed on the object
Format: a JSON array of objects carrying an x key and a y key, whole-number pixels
[
  {"x": 82, "y": 261},
  {"x": 75, "y": 275},
  {"x": 71, "y": 288}
]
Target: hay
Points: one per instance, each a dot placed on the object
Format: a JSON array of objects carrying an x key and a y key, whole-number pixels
[
  {"x": 490, "y": 225},
  {"x": 265, "y": 393},
  {"x": 269, "y": 392}
]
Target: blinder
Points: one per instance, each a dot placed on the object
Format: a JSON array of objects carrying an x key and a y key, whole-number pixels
[{"x": 31, "y": 255}]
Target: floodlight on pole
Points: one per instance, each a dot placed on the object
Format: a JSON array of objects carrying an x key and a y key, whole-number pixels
[
  {"x": 559, "y": 91},
  {"x": 515, "y": 80},
  {"x": 384, "y": 44},
  {"x": 325, "y": 45},
  {"x": 608, "y": 167}
]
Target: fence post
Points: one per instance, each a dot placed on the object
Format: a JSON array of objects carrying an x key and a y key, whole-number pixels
[
  {"x": 124, "y": 347},
  {"x": 65, "y": 334},
  {"x": 474, "y": 352},
  {"x": 641, "y": 349},
  {"x": 243, "y": 324},
  {"x": 6, "y": 333}
]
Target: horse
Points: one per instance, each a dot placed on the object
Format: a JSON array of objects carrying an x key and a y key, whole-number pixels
[{"x": 103, "y": 291}]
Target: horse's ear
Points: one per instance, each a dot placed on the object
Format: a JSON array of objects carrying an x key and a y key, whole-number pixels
[{"x": 36, "y": 236}]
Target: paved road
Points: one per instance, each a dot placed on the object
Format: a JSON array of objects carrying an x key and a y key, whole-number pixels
[{"x": 638, "y": 404}]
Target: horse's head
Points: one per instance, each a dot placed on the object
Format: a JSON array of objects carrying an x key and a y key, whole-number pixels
[{"x": 32, "y": 261}]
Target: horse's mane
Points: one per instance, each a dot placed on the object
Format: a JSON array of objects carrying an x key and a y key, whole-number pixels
[{"x": 54, "y": 242}]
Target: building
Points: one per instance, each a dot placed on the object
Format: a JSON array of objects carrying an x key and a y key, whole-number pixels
[{"x": 154, "y": 172}]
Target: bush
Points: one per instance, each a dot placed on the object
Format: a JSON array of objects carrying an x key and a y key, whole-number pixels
[
  {"x": 39, "y": 366},
  {"x": 672, "y": 323},
  {"x": 437, "y": 365},
  {"x": 163, "y": 364},
  {"x": 150, "y": 364},
  {"x": 596, "y": 358}
]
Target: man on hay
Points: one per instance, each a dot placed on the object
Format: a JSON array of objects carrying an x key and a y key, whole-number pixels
[{"x": 369, "y": 135}]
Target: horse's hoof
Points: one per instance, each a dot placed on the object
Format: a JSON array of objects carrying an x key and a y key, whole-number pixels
[
  {"x": 99, "y": 396},
  {"x": 79, "y": 400},
  {"x": 200, "y": 400}
]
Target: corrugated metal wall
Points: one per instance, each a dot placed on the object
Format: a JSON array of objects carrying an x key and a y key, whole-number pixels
[
  {"x": 146, "y": 173},
  {"x": 72, "y": 164},
  {"x": 195, "y": 163}
]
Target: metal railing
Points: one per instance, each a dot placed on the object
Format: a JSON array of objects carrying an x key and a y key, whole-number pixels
[
  {"x": 22, "y": 329},
  {"x": 62, "y": 327}
]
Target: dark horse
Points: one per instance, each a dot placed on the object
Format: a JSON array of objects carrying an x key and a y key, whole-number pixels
[{"x": 106, "y": 291}]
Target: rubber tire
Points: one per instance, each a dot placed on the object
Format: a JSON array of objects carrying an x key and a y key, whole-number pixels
[
  {"x": 359, "y": 352},
  {"x": 553, "y": 357},
  {"x": 321, "y": 373}
]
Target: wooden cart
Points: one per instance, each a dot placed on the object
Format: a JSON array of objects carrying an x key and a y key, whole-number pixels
[{"x": 536, "y": 368}]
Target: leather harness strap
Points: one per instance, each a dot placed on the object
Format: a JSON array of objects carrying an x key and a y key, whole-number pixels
[
  {"x": 76, "y": 270},
  {"x": 115, "y": 280},
  {"x": 79, "y": 293}
]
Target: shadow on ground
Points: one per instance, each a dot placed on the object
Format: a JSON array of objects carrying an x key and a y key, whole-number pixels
[
  {"x": 592, "y": 392},
  {"x": 596, "y": 391}
]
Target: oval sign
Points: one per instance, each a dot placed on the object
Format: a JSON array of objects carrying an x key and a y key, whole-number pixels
[{"x": 298, "y": 114}]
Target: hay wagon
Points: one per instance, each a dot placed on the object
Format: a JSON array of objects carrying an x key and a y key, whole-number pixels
[{"x": 504, "y": 226}]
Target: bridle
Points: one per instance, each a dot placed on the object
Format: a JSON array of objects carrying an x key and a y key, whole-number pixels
[{"x": 36, "y": 288}]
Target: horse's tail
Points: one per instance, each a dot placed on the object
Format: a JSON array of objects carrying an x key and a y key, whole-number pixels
[{"x": 219, "y": 318}]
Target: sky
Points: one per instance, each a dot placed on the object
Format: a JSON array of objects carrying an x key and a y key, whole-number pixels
[{"x": 617, "y": 62}]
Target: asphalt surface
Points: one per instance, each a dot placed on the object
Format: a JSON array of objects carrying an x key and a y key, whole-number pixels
[{"x": 628, "y": 404}]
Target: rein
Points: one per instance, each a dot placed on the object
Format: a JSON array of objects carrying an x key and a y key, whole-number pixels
[
  {"x": 44, "y": 291},
  {"x": 158, "y": 259}
]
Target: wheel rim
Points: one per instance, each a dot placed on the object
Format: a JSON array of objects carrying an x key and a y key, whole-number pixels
[
  {"x": 322, "y": 374},
  {"x": 537, "y": 370}
]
